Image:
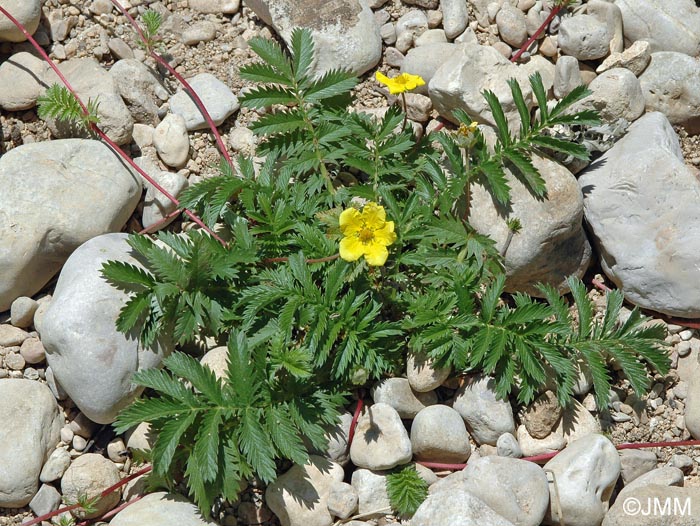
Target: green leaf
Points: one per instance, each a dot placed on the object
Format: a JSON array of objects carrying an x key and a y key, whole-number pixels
[
  {"x": 540, "y": 95},
  {"x": 521, "y": 105},
  {"x": 406, "y": 490},
  {"x": 264, "y": 73},
  {"x": 167, "y": 441},
  {"x": 255, "y": 445},
  {"x": 331, "y": 84},
  {"x": 498, "y": 117},
  {"x": 559, "y": 145},
  {"x": 206, "y": 447},
  {"x": 495, "y": 180},
  {"x": 265, "y": 96},
  {"x": 523, "y": 164},
  {"x": 575, "y": 95},
  {"x": 121, "y": 273},
  {"x": 135, "y": 309},
  {"x": 302, "y": 47},
  {"x": 272, "y": 54},
  {"x": 202, "y": 377}
]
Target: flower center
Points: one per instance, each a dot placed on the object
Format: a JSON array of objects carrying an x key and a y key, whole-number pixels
[{"x": 366, "y": 235}]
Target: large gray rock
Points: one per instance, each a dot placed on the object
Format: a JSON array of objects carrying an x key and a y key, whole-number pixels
[
  {"x": 141, "y": 89},
  {"x": 552, "y": 244},
  {"x": 454, "y": 17},
  {"x": 456, "y": 508},
  {"x": 671, "y": 84},
  {"x": 91, "y": 81},
  {"x": 664, "y": 476},
  {"x": 21, "y": 81},
  {"x": 26, "y": 12},
  {"x": 397, "y": 393},
  {"x": 616, "y": 94},
  {"x": 345, "y": 32},
  {"x": 88, "y": 476},
  {"x": 79, "y": 189},
  {"x": 299, "y": 497},
  {"x": 426, "y": 60},
  {"x": 31, "y": 425},
  {"x": 585, "y": 474},
  {"x": 641, "y": 206},
  {"x": 438, "y": 434},
  {"x": 373, "y": 497},
  {"x": 423, "y": 376},
  {"x": 692, "y": 406},
  {"x": 216, "y": 96},
  {"x": 93, "y": 361},
  {"x": 161, "y": 509},
  {"x": 381, "y": 441},
  {"x": 636, "y": 462},
  {"x": 584, "y": 37},
  {"x": 462, "y": 78},
  {"x": 515, "y": 489},
  {"x": 668, "y": 25},
  {"x": 487, "y": 417},
  {"x": 656, "y": 505}
]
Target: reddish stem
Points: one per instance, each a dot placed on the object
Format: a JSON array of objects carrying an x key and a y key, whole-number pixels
[
  {"x": 547, "y": 456},
  {"x": 198, "y": 102},
  {"x": 112, "y": 512},
  {"x": 162, "y": 221},
  {"x": 536, "y": 34},
  {"x": 98, "y": 131},
  {"x": 355, "y": 417},
  {"x": 103, "y": 493}
]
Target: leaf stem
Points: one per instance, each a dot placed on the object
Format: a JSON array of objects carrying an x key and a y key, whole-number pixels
[
  {"x": 547, "y": 456},
  {"x": 555, "y": 9},
  {"x": 102, "y": 494}
]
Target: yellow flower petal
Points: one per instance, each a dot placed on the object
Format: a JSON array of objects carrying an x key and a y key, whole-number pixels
[
  {"x": 411, "y": 81},
  {"x": 376, "y": 255},
  {"x": 402, "y": 83},
  {"x": 351, "y": 249},
  {"x": 385, "y": 236},
  {"x": 350, "y": 221},
  {"x": 373, "y": 215}
]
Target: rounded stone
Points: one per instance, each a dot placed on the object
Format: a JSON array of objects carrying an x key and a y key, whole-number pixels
[
  {"x": 486, "y": 416},
  {"x": 32, "y": 350},
  {"x": 438, "y": 434},
  {"x": 26, "y": 12},
  {"x": 422, "y": 374},
  {"x": 161, "y": 509},
  {"x": 87, "y": 476},
  {"x": 22, "y": 312},
  {"x": 512, "y": 25},
  {"x": 171, "y": 141},
  {"x": 381, "y": 441},
  {"x": 584, "y": 37},
  {"x": 397, "y": 393}
]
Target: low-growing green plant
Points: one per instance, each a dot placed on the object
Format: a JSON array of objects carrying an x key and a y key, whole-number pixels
[
  {"x": 406, "y": 490},
  {"x": 349, "y": 245}
]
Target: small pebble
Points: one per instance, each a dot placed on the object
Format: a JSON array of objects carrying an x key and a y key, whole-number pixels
[
  {"x": 14, "y": 361},
  {"x": 79, "y": 443}
]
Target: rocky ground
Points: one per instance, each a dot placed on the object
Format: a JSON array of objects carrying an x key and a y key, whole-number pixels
[{"x": 640, "y": 59}]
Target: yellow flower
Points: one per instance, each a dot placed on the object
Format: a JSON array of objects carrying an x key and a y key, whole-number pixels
[
  {"x": 402, "y": 83},
  {"x": 367, "y": 233},
  {"x": 467, "y": 130}
]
